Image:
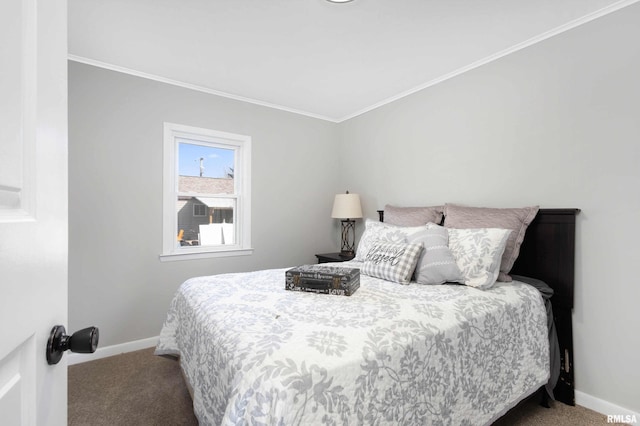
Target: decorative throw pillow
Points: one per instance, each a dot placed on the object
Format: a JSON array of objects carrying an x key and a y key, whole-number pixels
[
  {"x": 391, "y": 261},
  {"x": 412, "y": 216},
  {"x": 437, "y": 264},
  {"x": 478, "y": 253},
  {"x": 517, "y": 220},
  {"x": 375, "y": 230}
]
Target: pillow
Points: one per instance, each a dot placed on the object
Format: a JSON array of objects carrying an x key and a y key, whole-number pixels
[
  {"x": 391, "y": 261},
  {"x": 375, "y": 230},
  {"x": 480, "y": 217},
  {"x": 412, "y": 216},
  {"x": 478, "y": 253},
  {"x": 437, "y": 264}
]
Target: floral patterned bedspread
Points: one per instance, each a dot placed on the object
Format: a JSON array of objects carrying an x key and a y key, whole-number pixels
[{"x": 258, "y": 354}]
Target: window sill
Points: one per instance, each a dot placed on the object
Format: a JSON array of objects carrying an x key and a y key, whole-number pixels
[{"x": 171, "y": 257}]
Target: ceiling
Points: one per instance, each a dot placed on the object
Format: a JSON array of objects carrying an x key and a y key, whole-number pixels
[{"x": 327, "y": 60}]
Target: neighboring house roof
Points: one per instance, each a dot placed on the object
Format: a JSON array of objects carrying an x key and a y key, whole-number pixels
[{"x": 205, "y": 185}]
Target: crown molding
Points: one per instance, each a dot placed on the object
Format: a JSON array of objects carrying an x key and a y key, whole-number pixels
[
  {"x": 534, "y": 40},
  {"x": 136, "y": 73}
]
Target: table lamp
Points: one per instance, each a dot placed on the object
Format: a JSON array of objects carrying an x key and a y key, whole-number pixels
[{"x": 347, "y": 207}]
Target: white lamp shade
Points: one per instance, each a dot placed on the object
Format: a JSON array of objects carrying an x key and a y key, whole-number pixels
[{"x": 346, "y": 206}]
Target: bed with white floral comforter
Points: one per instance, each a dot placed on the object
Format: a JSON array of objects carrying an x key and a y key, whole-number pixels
[{"x": 257, "y": 354}]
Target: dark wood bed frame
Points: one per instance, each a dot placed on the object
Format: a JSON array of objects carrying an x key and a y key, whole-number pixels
[{"x": 548, "y": 254}]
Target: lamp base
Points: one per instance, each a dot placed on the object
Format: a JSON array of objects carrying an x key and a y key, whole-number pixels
[{"x": 348, "y": 237}]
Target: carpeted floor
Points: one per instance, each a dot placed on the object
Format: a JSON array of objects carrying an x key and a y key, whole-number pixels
[{"x": 138, "y": 388}]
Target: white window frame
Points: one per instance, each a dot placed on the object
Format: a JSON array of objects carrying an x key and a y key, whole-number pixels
[{"x": 241, "y": 144}]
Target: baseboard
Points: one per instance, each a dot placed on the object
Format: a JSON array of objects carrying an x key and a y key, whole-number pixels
[
  {"x": 106, "y": 351},
  {"x": 605, "y": 407}
]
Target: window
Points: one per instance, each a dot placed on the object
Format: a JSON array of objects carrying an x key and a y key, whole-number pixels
[
  {"x": 198, "y": 210},
  {"x": 207, "y": 193}
]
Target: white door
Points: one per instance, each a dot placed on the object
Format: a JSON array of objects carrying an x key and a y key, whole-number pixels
[{"x": 33, "y": 209}]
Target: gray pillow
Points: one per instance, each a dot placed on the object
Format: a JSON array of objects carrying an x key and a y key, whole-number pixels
[
  {"x": 437, "y": 264},
  {"x": 517, "y": 220},
  {"x": 412, "y": 216}
]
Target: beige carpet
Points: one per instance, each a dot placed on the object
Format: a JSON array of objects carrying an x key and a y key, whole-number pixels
[{"x": 138, "y": 388}]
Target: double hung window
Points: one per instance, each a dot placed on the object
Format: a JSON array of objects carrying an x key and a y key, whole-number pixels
[{"x": 207, "y": 193}]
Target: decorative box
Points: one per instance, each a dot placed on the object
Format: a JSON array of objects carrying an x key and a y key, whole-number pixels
[{"x": 323, "y": 279}]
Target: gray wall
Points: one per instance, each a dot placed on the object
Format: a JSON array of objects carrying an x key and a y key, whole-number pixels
[
  {"x": 116, "y": 280},
  {"x": 556, "y": 124}
]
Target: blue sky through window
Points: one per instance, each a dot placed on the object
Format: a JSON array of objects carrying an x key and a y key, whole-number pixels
[{"x": 216, "y": 162}]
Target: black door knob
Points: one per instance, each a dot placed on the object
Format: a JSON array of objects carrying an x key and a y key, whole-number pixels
[{"x": 82, "y": 341}]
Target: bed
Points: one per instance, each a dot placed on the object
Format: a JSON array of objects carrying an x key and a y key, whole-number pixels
[{"x": 254, "y": 353}]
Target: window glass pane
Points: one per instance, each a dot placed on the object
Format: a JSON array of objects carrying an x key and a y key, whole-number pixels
[
  {"x": 199, "y": 209},
  {"x": 205, "y": 161},
  {"x": 205, "y": 175}
]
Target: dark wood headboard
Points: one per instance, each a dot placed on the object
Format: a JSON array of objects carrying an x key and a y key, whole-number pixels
[{"x": 548, "y": 254}]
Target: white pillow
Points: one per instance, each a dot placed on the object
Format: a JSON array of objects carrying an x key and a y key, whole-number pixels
[
  {"x": 391, "y": 261},
  {"x": 375, "y": 230},
  {"x": 478, "y": 253}
]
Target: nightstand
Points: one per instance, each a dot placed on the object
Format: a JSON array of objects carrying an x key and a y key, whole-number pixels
[{"x": 333, "y": 257}]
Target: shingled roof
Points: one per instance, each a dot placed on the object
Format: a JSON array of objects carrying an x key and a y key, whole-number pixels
[{"x": 205, "y": 185}]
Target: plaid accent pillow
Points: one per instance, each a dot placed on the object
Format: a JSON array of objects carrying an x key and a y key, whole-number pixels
[
  {"x": 391, "y": 261},
  {"x": 374, "y": 231}
]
